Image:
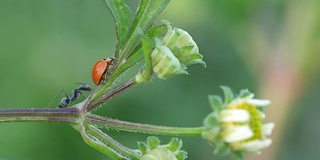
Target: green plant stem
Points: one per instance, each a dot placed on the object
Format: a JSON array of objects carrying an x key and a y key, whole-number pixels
[
  {"x": 67, "y": 115},
  {"x": 105, "y": 144},
  {"x": 142, "y": 128},
  {"x": 106, "y": 97}
]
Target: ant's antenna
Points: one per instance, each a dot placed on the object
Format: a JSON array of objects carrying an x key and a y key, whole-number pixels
[{"x": 73, "y": 96}]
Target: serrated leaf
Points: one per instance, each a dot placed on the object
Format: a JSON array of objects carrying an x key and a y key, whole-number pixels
[
  {"x": 228, "y": 94},
  {"x": 122, "y": 17}
]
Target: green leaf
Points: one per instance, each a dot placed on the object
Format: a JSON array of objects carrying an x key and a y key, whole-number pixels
[
  {"x": 153, "y": 32},
  {"x": 211, "y": 121},
  {"x": 244, "y": 93},
  {"x": 122, "y": 18},
  {"x": 221, "y": 148},
  {"x": 147, "y": 49},
  {"x": 237, "y": 155},
  {"x": 147, "y": 12},
  {"x": 228, "y": 94},
  {"x": 215, "y": 102},
  {"x": 146, "y": 72},
  {"x": 130, "y": 34},
  {"x": 211, "y": 129},
  {"x": 157, "y": 31}
]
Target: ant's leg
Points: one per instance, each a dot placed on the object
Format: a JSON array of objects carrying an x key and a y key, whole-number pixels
[
  {"x": 82, "y": 95},
  {"x": 84, "y": 87},
  {"x": 62, "y": 90},
  {"x": 87, "y": 101},
  {"x": 76, "y": 92}
]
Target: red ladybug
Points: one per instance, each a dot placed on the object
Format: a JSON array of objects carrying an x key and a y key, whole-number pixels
[{"x": 100, "y": 69}]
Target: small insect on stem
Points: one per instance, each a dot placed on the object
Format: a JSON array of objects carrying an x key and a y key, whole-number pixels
[
  {"x": 73, "y": 96},
  {"x": 101, "y": 69}
]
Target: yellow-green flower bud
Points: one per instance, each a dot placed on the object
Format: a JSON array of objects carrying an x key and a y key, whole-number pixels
[{"x": 242, "y": 126}]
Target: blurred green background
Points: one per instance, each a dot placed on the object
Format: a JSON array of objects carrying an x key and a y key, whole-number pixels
[{"x": 270, "y": 47}]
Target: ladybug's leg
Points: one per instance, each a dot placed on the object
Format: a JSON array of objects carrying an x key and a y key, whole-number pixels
[
  {"x": 108, "y": 73},
  {"x": 111, "y": 63}
]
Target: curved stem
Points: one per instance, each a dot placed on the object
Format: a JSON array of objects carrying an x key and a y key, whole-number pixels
[
  {"x": 67, "y": 115},
  {"x": 107, "y": 145},
  {"x": 142, "y": 128}
]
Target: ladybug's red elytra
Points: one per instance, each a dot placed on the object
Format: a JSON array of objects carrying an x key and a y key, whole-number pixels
[{"x": 100, "y": 69}]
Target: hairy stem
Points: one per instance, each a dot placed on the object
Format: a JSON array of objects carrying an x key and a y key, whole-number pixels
[
  {"x": 67, "y": 115},
  {"x": 106, "y": 97},
  {"x": 105, "y": 144},
  {"x": 142, "y": 128}
]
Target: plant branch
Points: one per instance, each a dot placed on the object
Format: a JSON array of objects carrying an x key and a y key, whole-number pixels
[
  {"x": 67, "y": 115},
  {"x": 142, "y": 128},
  {"x": 105, "y": 144},
  {"x": 106, "y": 97}
]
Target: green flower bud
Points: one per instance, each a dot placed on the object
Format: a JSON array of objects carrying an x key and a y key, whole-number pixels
[
  {"x": 159, "y": 153},
  {"x": 169, "y": 55},
  {"x": 165, "y": 64},
  {"x": 155, "y": 151},
  {"x": 236, "y": 125},
  {"x": 182, "y": 45}
]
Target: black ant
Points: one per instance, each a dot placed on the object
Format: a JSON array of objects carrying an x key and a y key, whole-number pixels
[{"x": 73, "y": 96}]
